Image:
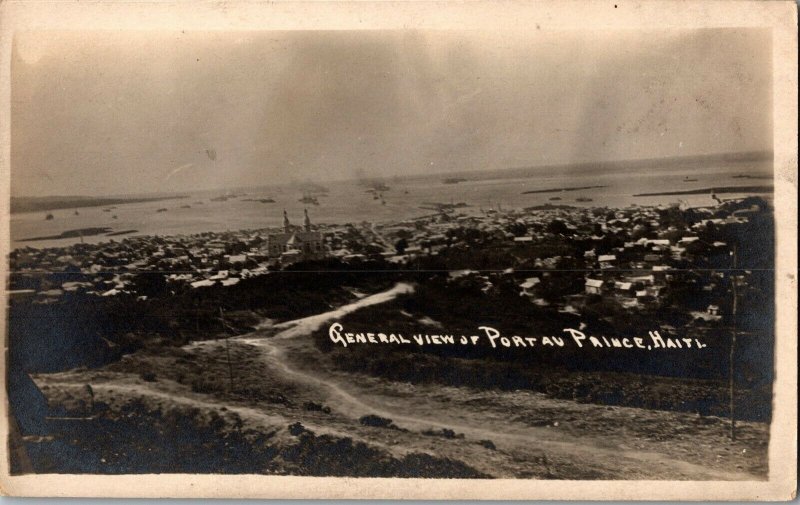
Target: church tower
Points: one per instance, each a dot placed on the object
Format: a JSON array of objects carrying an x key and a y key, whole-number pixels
[
  {"x": 287, "y": 228},
  {"x": 306, "y": 221}
]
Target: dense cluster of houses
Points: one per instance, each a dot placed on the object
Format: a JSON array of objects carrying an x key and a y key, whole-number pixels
[
  {"x": 201, "y": 260},
  {"x": 632, "y": 257},
  {"x": 628, "y": 256}
]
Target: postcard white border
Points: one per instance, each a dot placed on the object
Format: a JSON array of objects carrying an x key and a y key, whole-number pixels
[{"x": 780, "y": 16}]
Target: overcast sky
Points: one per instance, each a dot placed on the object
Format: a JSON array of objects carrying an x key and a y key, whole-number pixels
[{"x": 116, "y": 112}]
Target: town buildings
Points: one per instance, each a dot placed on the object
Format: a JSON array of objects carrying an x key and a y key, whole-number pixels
[
  {"x": 560, "y": 256},
  {"x": 295, "y": 245}
]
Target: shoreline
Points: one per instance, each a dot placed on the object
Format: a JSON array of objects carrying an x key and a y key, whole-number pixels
[
  {"x": 716, "y": 189},
  {"x": 26, "y": 204},
  {"x": 20, "y": 244},
  {"x": 561, "y": 190},
  {"x": 81, "y": 232}
]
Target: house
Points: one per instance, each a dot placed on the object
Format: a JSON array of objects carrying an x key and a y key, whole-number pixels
[
  {"x": 643, "y": 279},
  {"x": 237, "y": 258},
  {"x": 75, "y": 285},
  {"x": 677, "y": 252},
  {"x": 457, "y": 274},
  {"x": 623, "y": 286},
  {"x": 528, "y": 285},
  {"x": 606, "y": 260},
  {"x": 593, "y": 286}
]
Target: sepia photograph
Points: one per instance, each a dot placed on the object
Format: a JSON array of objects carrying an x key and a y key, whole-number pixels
[{"x": 533, "y": 255}]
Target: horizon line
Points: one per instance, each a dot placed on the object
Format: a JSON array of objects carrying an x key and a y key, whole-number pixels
[{"x": 759, "y": 155}]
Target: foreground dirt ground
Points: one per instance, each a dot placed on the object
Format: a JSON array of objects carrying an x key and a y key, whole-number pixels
[{"x": 269, "y": 381}]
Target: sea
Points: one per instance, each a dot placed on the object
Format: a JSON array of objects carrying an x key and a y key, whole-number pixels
[{"x": 403, "y": 198}]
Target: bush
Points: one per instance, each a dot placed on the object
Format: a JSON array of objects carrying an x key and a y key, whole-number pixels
[{"x": 148, "y": 376}]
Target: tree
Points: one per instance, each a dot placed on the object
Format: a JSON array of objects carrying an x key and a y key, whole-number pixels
[
  {"x": 557, "y": 227},
  {"x": 150, "y": 284},
  {"x": 401, "y": 245},
  {"x": 518, "y": 229}
]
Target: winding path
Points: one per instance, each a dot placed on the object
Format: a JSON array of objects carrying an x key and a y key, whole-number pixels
[{"x": 506, "y": 435}]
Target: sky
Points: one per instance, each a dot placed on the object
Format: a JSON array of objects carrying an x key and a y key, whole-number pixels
[{"x": 116, "y": 112}]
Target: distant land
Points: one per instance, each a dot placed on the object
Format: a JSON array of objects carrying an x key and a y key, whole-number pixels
[
  {"x": 559, "y": 190},
  {"x": 83, "y": 232},
  {"x": 521, "y": 172},
  {"x": 43, "y": 203},
  {"x": 80, "y": 232},
  {"x": 722, "y": 189},
  {"x": 698, "y": 161},
  {"x": 32, "y": 204}
]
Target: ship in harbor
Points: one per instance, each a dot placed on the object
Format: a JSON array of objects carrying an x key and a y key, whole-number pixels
[{"x": 309, "y": 199}]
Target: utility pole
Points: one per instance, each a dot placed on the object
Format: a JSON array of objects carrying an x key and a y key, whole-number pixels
[
  {"x": 731, "y": 367},
  {"x": 227, "y": 347}
]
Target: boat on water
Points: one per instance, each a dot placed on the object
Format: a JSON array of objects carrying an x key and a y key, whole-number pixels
[
  {"x": 161, "y": 210},
  {"x": 260, "y": 200},
  {"x": 309, "y": 199},
  {"x": 687, "y": 179},
  {"x": 453, "y": 180},
  {"x": 443, "y": 207},
  {"x": 583, "y": 199},
  {"x": 555, "y": 198}
]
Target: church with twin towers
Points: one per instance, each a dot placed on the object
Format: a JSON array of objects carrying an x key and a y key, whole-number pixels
[{"x": 296, "y": 243}]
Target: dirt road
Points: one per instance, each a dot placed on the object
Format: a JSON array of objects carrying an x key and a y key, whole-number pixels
[
  {"x": 282, "y": 379},
  {"x": 349, "y": 397}
]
